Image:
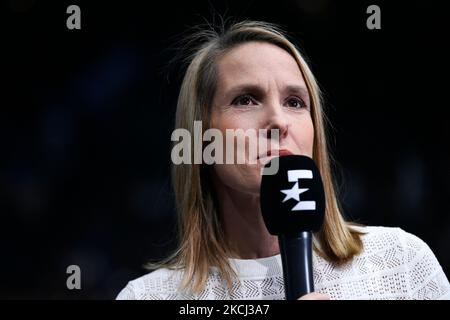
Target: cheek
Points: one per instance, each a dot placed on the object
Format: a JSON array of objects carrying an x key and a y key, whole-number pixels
[
  {"x": 303, "y": 135},
  {"x": 242, "y": 177},
  {"x": 232, "y": 120}
]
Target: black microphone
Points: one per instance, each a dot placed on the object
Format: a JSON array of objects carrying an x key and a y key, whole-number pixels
[{"x": 293, "y": 206}]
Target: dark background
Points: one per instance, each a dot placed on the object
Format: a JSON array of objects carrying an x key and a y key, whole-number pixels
[{"x": 86, "y": 117}]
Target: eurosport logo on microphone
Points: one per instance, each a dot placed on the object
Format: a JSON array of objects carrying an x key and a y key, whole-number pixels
[{"x": 295, "y": 191}]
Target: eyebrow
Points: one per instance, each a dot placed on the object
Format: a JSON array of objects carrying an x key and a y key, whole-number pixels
[
  {"x": 297, "y": 90},
  {"x": 256, "y": 89}
]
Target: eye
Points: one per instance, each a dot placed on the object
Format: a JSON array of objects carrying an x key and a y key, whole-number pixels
[
  {"x": 296, "y": 103},
  {"x": 244, "y": 100}
]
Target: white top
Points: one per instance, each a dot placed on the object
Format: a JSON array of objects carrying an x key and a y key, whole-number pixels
[{"x": 394, "y": 265}]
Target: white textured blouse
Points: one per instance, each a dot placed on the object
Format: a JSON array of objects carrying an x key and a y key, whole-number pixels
[{"x": 393, "y": 265}]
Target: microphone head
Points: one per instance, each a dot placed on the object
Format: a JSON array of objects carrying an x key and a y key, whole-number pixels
[{"x": 293, "y": 199}]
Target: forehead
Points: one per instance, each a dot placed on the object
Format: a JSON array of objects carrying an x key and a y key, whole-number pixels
[{"x": 258, "y": 61}]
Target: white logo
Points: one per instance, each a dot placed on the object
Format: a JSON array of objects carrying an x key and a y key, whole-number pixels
[
  {"x": 241, "y": 146},
  {"x": 74, "y": 280},
  {"x": 74, "y": 20},
  {"x": 294, "y": 193},
  {"x": 374, "y": 20}
]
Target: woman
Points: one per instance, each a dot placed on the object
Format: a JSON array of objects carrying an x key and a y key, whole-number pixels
[{"x": 252, "y": 77}]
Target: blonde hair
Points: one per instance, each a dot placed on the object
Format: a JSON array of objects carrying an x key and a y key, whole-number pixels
[{"x": 202, "y": 241}]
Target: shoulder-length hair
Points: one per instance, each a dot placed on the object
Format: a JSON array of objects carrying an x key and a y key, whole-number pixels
[{"x": 202, "y": 241}]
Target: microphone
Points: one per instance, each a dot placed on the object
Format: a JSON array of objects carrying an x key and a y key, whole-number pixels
[{"x": 293, "y": 206}]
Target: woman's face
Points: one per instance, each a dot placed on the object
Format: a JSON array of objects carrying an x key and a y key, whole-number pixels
[{"x": 260, "y": 86}]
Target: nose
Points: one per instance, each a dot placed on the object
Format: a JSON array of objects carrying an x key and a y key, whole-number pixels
[{"x": 275, "y": 118}]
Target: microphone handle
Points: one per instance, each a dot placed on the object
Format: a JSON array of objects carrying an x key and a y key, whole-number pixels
[{"x": 296, "y": 257}]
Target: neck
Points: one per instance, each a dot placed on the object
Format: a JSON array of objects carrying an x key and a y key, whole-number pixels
[{"x": 244, "y": 226}]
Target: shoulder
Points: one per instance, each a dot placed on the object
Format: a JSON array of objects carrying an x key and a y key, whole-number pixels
[
  {"x": 392, "y": 243},
  {"x": 403, "y": 253},
  {"x": 157, "y": 285},
  {"x": 382, "y": 238}
]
